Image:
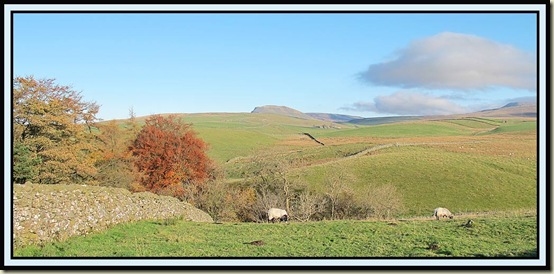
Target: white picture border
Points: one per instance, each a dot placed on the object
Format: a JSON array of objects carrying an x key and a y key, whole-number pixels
[{"x": 394, "y": 263}]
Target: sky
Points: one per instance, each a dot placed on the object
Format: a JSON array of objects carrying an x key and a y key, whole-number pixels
[{"x": 361, "y": 64}]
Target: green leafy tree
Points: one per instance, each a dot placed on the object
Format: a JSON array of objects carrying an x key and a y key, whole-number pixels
[
  {"x": 52, "y": 133},
  {"x": 25, "y": 164}
]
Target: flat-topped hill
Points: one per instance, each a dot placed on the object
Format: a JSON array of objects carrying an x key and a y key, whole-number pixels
[{"x": 281, "y": 110}]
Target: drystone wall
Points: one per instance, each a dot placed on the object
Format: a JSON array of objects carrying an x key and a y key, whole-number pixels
[{"x": 43, "y": 213}]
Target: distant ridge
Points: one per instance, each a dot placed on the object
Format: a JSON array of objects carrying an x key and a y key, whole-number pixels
[
  {"x": 512, "y": 104},
  {"x": 281, "y": 110},
  {"x": 337, "y": 118},
  {"x": 513, "y": 109},
  {"x": 286, "y": 111},
  {"x": 384, "y": 120}
]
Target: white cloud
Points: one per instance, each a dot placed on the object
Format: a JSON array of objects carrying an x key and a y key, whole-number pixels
[
  {"x": 456, "y": 61},
  {"x": 409, "y": 103}
]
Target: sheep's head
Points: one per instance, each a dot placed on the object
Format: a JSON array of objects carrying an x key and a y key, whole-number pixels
[
  {"x": 451, "y": 216},
  {"x": 285, "y": 217}
]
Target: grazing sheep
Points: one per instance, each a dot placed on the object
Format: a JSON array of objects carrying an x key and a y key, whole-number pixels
[
  {"x": 276, "y": 213},
  {"x": 442, "y": 212}
]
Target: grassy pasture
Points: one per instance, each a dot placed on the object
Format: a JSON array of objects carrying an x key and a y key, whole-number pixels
[
  {"x": 437, "y": 163},
  {"x": 474, "y": 123},
  {"x": 236, "y": 143},
  {"x": 469, "y": 165},
  {"x": 521, "y": 127},
  {"x": 501, "y": 235},
  {"x": 464, "y": 172},
  {"x": 404, "y": 129},
  {"x": 465, "y": 164},
  {"x": 231, "y": 135},
  {"x": 427, "y": 177}
]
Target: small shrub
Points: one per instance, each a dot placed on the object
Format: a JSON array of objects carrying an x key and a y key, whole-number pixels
[
  {"x": 380, "y": 202},
  {"x": 307, "y": 205},
  {"x": 226, "y": 202}
]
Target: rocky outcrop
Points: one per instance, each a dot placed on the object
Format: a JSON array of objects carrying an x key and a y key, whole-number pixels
[{"x": 43, "y": 213}]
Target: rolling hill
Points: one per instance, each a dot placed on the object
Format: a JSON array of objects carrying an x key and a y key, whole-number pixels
[
  {"x": 281, "y": 110},
  {"x": 337, "y": 118},
  {"x": 482, "y": 161},
  {"x": 513, "y": 109},
  {"x": 287, "y": 111}
]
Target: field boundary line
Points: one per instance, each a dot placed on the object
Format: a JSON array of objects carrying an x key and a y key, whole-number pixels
[{"x": 365, "y": 152}]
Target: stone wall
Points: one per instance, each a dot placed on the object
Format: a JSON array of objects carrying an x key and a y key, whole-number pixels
[{"x": 43, "y": 213}]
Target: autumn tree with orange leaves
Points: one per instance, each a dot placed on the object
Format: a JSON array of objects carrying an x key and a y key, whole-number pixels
[
  {"x": 172, "y": 158},
  {"x": 115, "y": 163},
  {"x": 52, "y": 133}
]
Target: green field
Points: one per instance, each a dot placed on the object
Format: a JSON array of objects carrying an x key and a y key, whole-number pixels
[
  {"x": 428, "y": 177},
  {"x": 512, "y": 235},
  {"x": 405, "y": 129},
  {"x": 522, "y": 127},
  {"x": 467, "y": 164},
  {"x": 447, "y": 163},
  {"x": 231, "y": 135},
  {"x": 480, "y": 168}
]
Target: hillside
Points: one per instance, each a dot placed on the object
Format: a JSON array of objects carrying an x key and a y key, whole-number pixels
[
  {"x": 287, "y": 111},
  {"x": 384, "y": 120},
  {"x": 491, "y": 162},
  {"x": 281, "y": 110},
  {"x": 514, "y": 109},
  {"x": 337, "y": 118}
]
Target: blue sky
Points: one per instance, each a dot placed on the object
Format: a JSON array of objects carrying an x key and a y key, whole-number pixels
[{"x": 358, "y": 64}]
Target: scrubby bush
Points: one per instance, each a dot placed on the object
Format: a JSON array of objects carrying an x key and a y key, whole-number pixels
[
  {"x": 338, "y": 193},
  {"x": 227, "y": 202},
  {"x": 381, "y": 202},
  {"x": 308, "y": 206}
]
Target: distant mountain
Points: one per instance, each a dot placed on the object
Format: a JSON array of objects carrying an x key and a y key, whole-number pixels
[
  {"x": 337, "y": 118},
  {"x": 513, "y": 109},
  {"x": 512, "y": 104},
  {"x": 281, "y": 110},
  {"x": 286, "y": 111}
]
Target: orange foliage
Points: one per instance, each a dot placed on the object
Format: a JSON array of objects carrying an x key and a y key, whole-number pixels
[
  {"x": 54, "y": 125},
  {"x": 115, "y": 162},
  {"x": 172, "y": 158}
]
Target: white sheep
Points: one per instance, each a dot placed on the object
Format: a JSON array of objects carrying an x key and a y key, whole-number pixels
[
  {"x": 276, "y": 213},
  {"x": 442, "y": 212}
]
